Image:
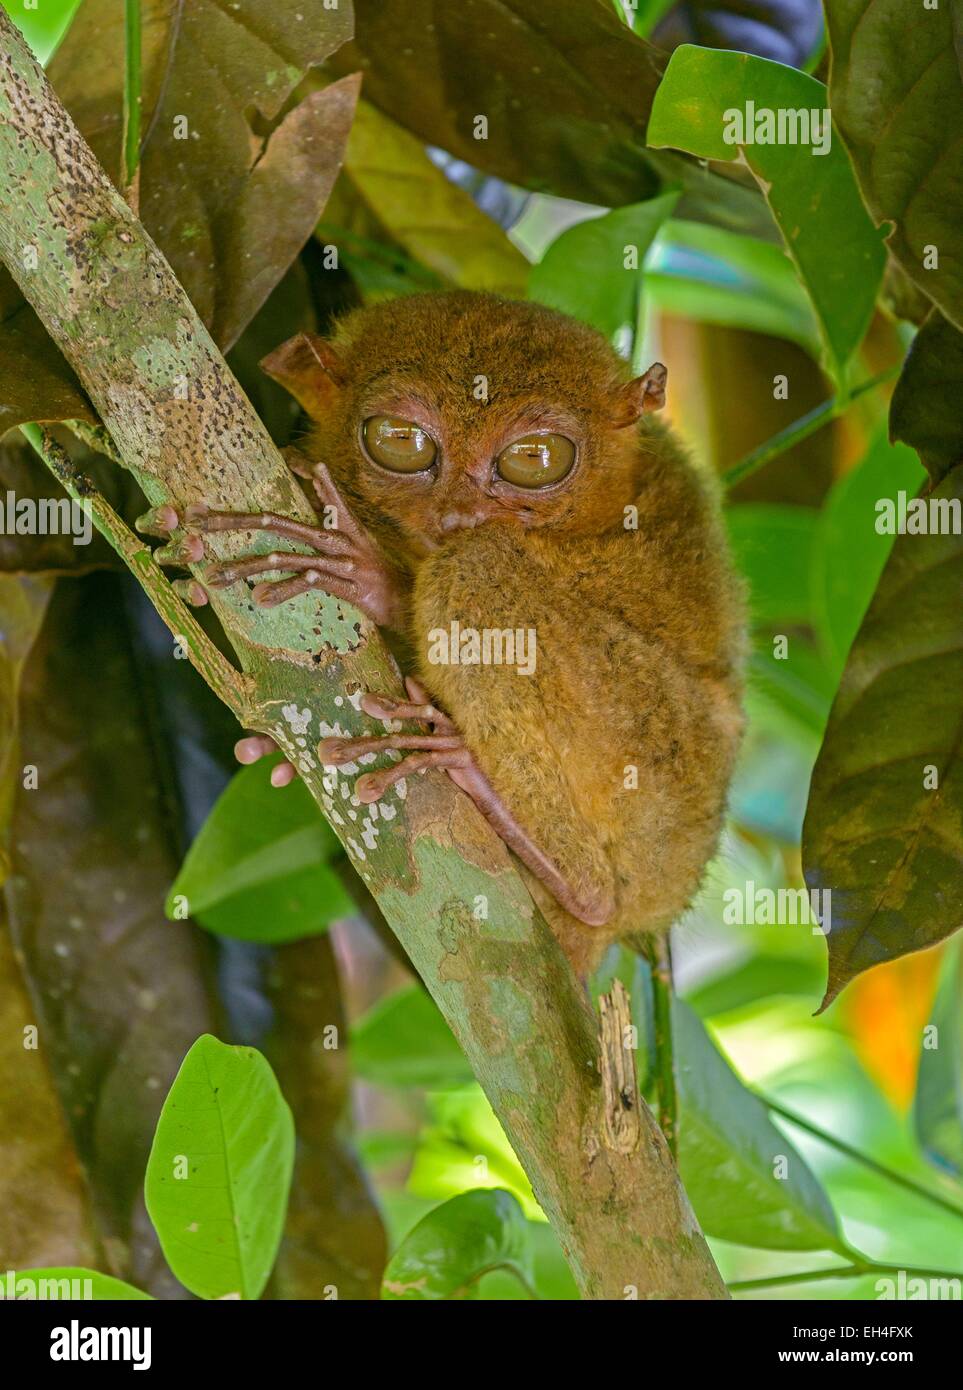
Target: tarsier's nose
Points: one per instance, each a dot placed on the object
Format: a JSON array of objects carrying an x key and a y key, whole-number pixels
[{"x": 459, "y": 521}]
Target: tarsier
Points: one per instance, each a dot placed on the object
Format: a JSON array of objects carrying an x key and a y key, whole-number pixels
[{"x": 490, "y": 464}]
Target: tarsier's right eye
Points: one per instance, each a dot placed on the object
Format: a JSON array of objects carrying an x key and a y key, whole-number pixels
[{"x": 398, "y": 445}]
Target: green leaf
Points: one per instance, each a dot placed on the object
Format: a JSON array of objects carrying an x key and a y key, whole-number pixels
[
  {"x": 254, "y": 834},
  {"x": 747, "y": 1182},
  {"x": 452, "y": 1247},
  {"x": 938, "y": 1104},
  {"x": 886, "y": 844},
  {"x": 925, "y": 410},
  {"x": 61, "y": 1283},
  {"x": 836, "y": 250},
  {"x": 465, "y": 1148},
  {"x": 41, "y": 25},
  {"x": 897, "y": 99},
  {"x": 220, "y": 1169},
  {"x": 849, "y": 552},
  {"x": 762, "y": 977},
  {"x": 288, "y": 908},
  {"x": 772, "y": 546},
  {"x": 408, "y": 200},
  {"x": 583, "y": 272},
  {"x": 404, "y": 1041},
  {"x": 717, "y": 276}
]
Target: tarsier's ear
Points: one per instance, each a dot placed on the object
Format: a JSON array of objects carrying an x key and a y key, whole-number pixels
[
  {"x": 644, "y": 393},
  {"x": 308, "y": 367}
]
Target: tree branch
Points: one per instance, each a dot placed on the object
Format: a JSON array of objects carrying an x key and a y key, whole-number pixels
[{"x": 184, "y": 428}]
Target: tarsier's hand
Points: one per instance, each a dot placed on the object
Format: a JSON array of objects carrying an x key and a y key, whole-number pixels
[{"x": 344, "y": 560}]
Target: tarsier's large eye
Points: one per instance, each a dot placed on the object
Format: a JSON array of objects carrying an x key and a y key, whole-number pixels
[
  {"x": 536, "y": 460},
  {"x": 398, "y": 445}
]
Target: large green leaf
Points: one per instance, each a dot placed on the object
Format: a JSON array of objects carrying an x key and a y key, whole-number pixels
[
  {"x": 60, "y": 1283},
  {"x": 584, "y": 271},
  {"x": 255, "y": 833},
  {"x": 897, "y": 99},
  {"x": 925, "y": 409},
  {"x": 452, "y": 1247},
  {"x": 883, "y": 826},
  {"x": 772, "y": 546},
  {"x": 220, "y": 1169},
  {"x": 747, "y": 1182},
  {"x": 938, "y": 1104},
  {"x": 403, "y": 1040},
  {"x": 813, "y": 197},
  {"x": 229, "y": 194}
]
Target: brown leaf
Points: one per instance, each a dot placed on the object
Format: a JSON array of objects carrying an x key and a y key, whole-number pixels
[
  {"x": 35, "y": 381},
  {"x": 925, "y": 410},
  {"x": 287, "y": 189},
  {"x": 565, "y": 89},
  {"x": 44, "y": 1214},
  {"x": 215, "y": 78},
  {"x": 884, "y": 825}
]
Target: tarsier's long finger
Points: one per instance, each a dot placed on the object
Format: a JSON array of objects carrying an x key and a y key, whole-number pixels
[
  {"x": 199, "y": 517},
  {"x": 329, "y": 496},
  {"x": 227, "y": 572},
  {"x": 159, "y": 521},
  {"x": 191, "y": 592},
  {"x": 272, "y": 592},
  {"x": 249, "y": 750},
  {"x": 186, "y": 550},
  {"x": 373, "y": 785},
  {"x": 387, "y": 707},
  {"x": 345, "y": 750}
]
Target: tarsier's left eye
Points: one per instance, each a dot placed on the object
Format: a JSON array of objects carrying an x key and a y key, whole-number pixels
[{"x": 536, "y": 460}]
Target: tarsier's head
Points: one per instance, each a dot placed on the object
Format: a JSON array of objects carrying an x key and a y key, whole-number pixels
[{"x": 444, "y": 411}]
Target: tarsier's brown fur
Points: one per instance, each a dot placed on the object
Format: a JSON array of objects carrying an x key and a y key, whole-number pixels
[{"x": 615, "y": 755}]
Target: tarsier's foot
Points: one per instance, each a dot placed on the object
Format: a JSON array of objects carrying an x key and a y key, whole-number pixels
[
  {"x": 344, "y": 560},
  {"x": 441, "y": 746},
  {"x": 444, "y": 747}
]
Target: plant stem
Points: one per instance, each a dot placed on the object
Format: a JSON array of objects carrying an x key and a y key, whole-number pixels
[
  {"x": 840, "y": 1144},
  {"x": 802, "y": 428},
  {"x": 130, "y": 173},
  {"x": 658, "y": 952},
  {"x": 851, "y": 1271}
]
